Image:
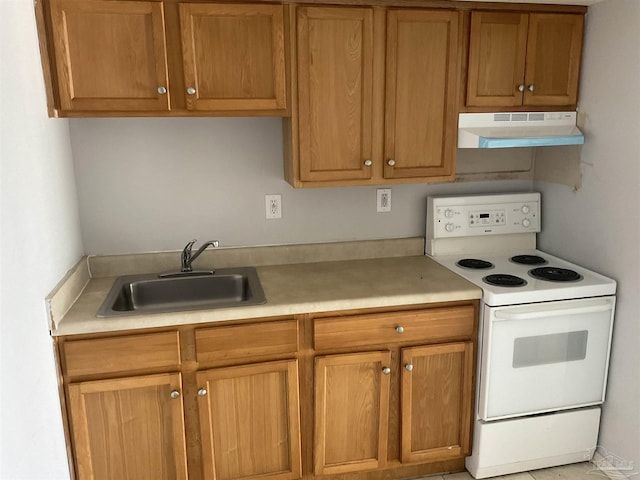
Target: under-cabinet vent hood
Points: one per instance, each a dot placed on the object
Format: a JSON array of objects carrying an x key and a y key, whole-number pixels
[{"x": 518, "y": 129}]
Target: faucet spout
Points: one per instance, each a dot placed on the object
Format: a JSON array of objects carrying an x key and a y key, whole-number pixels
[{"x": 188, "y": 257}]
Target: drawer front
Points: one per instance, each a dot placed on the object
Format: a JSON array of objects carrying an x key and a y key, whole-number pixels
[
  {"x": 121, "y": 354},
  {"x": 263, "y": 338},
  {"x": 396, "y": 327}
]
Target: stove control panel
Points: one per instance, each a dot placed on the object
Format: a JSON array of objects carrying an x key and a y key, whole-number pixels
[{"x": 481, "y": 215}]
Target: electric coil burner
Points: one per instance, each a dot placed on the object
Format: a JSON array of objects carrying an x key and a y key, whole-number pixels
[
  {"x": 555, "y": 274},
  {"x": 544, "y": 333},
  {"x": 504, "y": 280},
  {"x": 528, "y": 260},
  {"x": 474, "y": 263}
]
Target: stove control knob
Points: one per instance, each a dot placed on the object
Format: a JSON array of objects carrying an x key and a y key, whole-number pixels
[
  {"x": 525, "y": 209},
  {"x": 526, "y": 223},
  {"x": 448, "y": 213},
  {"x": 449, "y": 227}
]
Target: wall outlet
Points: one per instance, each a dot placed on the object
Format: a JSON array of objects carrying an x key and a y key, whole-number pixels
[
  {"x": 273, "y": 205},
  {"x": 383, "y": 199}
]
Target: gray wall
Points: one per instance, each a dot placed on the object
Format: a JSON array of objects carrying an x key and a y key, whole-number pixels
[
  {"x": 152, "y": 184},
  {"x": 40, "y": 242},
  {"x": 597, "y": 226}
]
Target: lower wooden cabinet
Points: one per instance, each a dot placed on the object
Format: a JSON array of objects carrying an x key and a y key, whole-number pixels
[
  {"x": 351, "y": 412},
  {"x": 249, "y": 421},
  {"x": 384, "y": 394},
  {"x": 129, "y": 428}
]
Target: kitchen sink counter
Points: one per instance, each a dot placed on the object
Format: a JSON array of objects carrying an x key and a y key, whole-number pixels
[
  {"x": 294, "y": 289},
  {"x": 290, "y": 288}
]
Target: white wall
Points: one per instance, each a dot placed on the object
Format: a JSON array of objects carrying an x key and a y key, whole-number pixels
[
  {"x": 148, "y": 184},
  {"x": 40, "y": 242},
  {"x": 597, "y": 226}
]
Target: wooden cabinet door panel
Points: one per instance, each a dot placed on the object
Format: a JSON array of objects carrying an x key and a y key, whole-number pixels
[
  {"x": 351, "y": 412},
  {"x": 437, "y": 398},
  {"x": 553, "y": 59},
  {"x": 128, "y": 428},
  {"x": 250, "y": 421},
  {"x": 335, "y": 92},
  {"x": 234, "y": 56},
  {"x": 110, "y": 55},
  {"x": 421, "y": 95},
  {"x": 497, "y": 52}
]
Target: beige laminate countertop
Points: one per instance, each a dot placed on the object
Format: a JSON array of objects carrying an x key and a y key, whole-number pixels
[{"x": 294, "y": 289}]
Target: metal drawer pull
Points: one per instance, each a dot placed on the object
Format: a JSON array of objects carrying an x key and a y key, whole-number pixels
[
  {"x": 386, "y": 370},
  {"x": 399, "y": 329},
  {"x": 202, "y": 392},
  {"x": 408, "y": 367}
]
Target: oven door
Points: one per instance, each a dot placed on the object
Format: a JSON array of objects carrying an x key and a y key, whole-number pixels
[{"x": 543, "y": 357}]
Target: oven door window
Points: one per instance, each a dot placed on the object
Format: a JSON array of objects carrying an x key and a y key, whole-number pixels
[{"x": 544, "y": 357}]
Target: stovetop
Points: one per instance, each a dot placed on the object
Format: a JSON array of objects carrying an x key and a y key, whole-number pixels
[{"x": 522, "y": 286}]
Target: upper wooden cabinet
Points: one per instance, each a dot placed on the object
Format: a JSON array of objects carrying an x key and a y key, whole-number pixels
[
  {"x": 110, "y": 55},
  {"x": 161, "y": 58},
  {"x": 376, "y": 96},
  {"x": 520, "y": 59},
  {"x": 234, "y": 56}
]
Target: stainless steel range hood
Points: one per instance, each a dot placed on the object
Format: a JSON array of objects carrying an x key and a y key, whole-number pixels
[{"x": 518, "y": 129}]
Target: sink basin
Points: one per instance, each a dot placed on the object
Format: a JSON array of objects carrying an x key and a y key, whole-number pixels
[{"x": 138, "y": 294}]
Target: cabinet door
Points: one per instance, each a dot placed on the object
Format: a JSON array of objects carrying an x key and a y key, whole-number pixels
[
  {"x": 250, "y": 421},
  {"x": 351, "y": 412},
  {"x": 234, "y": 56},
  {"x": 497, "y": 51},
  {"x": 129, "y": 428},
  {"x": 421, "y": 94},
  {"x": 110, "y": 55},
  {"x": 335, "y": 92},
  {"x": 553, "y": 59},
  {"x": 437, "y": 401}
]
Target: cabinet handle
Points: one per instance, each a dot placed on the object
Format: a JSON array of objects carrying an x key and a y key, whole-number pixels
[
  {"x": 191, "y": 91},
  {"x": 408, "y": 367},
  {"x": 162, "y": 90},
  {"x": 368, "y": 163},
  {"x": 202, "y": 392},
  {"x": 386, "y": 370},
  {"x": 399, "y": 329},
  {"x": 174, "y": 394},
  {"x": 391, "y": 162},
  {"x": 532, "y": 87},
  {"x": 521, "y": 88}
]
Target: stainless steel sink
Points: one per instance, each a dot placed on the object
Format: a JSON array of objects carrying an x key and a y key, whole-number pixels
[{"x": 138, "y": 294}]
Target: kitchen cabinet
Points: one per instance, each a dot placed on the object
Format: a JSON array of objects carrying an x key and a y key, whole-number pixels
[
  {"x": 377, "y": 96},
  {"x": 249, "y": 420},
  {"x": 115, "y": 57},
  {"x": 427, "y": 362},
  {"x": 519, "y": 59}
]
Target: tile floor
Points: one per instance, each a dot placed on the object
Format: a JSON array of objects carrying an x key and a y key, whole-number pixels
[{"x": 576, "y": 471}]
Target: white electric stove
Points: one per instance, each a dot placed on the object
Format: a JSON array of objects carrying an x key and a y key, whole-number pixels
[{"x": 544, "y": 339}]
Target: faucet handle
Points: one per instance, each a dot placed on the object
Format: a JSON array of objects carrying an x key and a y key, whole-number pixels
[{"x": 189, "y": 246}]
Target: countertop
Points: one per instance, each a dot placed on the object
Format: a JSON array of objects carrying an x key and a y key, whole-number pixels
[{"x": 294, "y": 289}]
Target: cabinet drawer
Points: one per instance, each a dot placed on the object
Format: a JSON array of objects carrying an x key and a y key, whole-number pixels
[
  {"x": 264, "y": 338},
  {"x": 395, "y": 327},
  {"x": 120, "y": 354}
]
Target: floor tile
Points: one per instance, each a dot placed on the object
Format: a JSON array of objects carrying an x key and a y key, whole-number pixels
[{"x": 576, "y": 471}]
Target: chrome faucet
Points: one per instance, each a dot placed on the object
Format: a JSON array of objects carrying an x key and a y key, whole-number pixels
[{"x": 188, "y": 257}]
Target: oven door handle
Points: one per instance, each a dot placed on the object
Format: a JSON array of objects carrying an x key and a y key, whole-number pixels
[{"x": 507, "y": 315}]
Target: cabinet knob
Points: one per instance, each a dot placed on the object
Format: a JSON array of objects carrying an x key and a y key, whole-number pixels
[
  {"x": 391, "y": 162},
  {"x": 202, "y": 392},
  {"x": 532, "y": 87},
  {"x": 368, "y": 162},
  {"x": 162, "y": 90},
  {"x": 174, "y": 394},
  {"x": 521, "y": 88},
  {"x": 399, "y": 329},
  {"x": 191, "y": 91},
  {"x": 386, "y": 370},
  {"x": 408, "y": 367}
]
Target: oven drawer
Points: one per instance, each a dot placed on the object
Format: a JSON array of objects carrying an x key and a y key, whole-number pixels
[
  {"x": 544, "y": 357},
  {"x": 434, "y": 324}
]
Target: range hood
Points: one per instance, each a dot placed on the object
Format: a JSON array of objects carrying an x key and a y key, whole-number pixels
[{"x": 518, "y": 129}]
